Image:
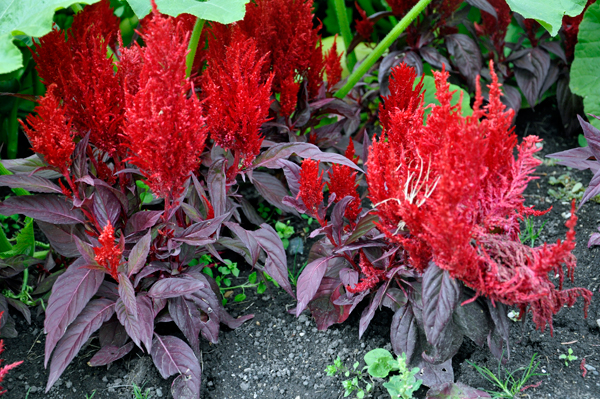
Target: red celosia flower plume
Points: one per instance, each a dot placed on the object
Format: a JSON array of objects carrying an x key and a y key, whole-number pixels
[
  {"x": 108, "y": 255},
  {"x": 333, "y": 66},
  {"x": 401, "y": 7},
  {"x": 364, "y": 26},
  {"x": 164, "y": 128},
  {"x": 289, "y": 95},
  {"x": 370, "y": 276},
  {"x": 495, "y": 27},
  {"x": 451, "y": 191},
  {"x": 7, "y": 367},
  {"x": 311, "y": 188},
  {"x": 238, "y": 98},
  {"x": 342, "y": 183},
  {"x": 84, "y": 75},
  {"x": 50, "y": 132}
]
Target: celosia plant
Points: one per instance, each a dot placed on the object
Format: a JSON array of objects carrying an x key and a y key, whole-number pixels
[
  {"x": 4, "y": 370},
  {"x": 132, "y": 120},
  {"x": 448, "y": 195}
]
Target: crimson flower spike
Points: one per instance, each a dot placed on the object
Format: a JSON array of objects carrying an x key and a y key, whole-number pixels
[{"x": 311, "y": 189}]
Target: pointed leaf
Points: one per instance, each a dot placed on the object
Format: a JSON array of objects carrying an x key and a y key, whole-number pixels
[
  {"x": 172, "y": 356},
  {"x": 89, "y": 321},
  {"x": 404, "y": 332},
  {"x": 141, "y": 221},
  {"x": 440, "y": 297},
  {"x": 270, "y": 158},
  {"x": 139, "y": 255},
  {"x": 456, "y": 390},
  {"x": 531, "y": 81},
  {"x": 127, "y": 295},
  {"x": 188, "y": 318},
  {"x": 31, "y": 164},
  {"x": 70, "y": 294},
  {"x": 217, "y": 188},
  {"x": 30, "y": 183},
  {"x": 272, "y": 190},
  {"x": 309, "y": 282},
  {"x": 276, "y": 264},
  {"x": 109, "y": 354},
  {"x": 60, "y": 237},
  {"x": 467, "y": 56},
  {"x": 175, "y": 287},
  {"x": 369, "y": 312},
  {"x": 45, "y": 207}
]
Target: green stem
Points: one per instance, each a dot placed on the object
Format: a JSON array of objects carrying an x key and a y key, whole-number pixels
[
  {"x": 25, "y": 280},
  {"x": 193, "y": 46},
  {"x": 381, "y": 47},
  {"x": 13, "y": 131},
  {"x": 342, "y": 19},
  {"x": 5, "y": 245},
  {"x": 76, "y": 8}
]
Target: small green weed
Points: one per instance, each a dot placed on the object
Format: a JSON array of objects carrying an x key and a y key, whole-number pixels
[
  {"x": 284, "y": 231},
  {"x": 379, "y": 364},
  {"x": 529, "y": 234},
  {"x": 568, "y": 188},
  {"x": 138, "y": 394},
  {"x": 266, "y": 212},
  {"x": 146, "y": 195},
  {"x": 569, "y": 357},
  {"x": 511, "y": 384}
]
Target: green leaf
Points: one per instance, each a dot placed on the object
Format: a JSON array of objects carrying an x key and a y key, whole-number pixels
[
  {"x": 585, "y": 70},
  {"x": 25, "y": 242},
  {"x": 262, "y": 287},
  {"x": 549, "y": 13},
  {"x": 239, "y": 297},
  {"x": 429, "y": 98},
  {"x": 26, "y": 17},
  {"x": 208, "y": 271},
  {"x": 223, "y": 11},
  {"x": 252, "y": 278},
  {"x": 380, "y": 362}
]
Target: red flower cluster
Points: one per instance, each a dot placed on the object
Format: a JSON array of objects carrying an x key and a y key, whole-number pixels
[
  {"x": 292, "y": 48},
  {"x": 238, "y": 98},
  {"x": 372, "y": 276},
  {"x": 401, "y": 7},
  {"x": 50, "y": 131},
  {"x": 108, "y": 255},
  {"x": 342, "y": 183},
  {"x": 7, "y": 367},
  {"x": 451, "y": 191},
  {"x": 570, "y": 27},
  {"x": 164, "y": 129},
  {"x": 333, "y": 66},
  {"x": 84, "y": 75},
  {"x": 311, "y": 188},
  {"x": 495, "y": 28},
  {"x": 364, "y": 26}
]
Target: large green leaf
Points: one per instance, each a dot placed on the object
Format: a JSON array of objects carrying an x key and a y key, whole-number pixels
[
  {"x": 25, "y": 17},
  {"x": 549, "y": 13},
  {"x": 585, "y": 71},
  {"x": 223, "y": 11}
]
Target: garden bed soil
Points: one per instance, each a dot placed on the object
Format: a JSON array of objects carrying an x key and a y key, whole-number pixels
[{"x": 276, "y": 355}]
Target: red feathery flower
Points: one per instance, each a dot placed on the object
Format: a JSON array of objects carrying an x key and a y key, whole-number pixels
[
  {"x": 342, "y": 182},
  {"x": 50, "y": 132},
  {"x": 372, "y": 276},
  {"x": 108, "y": 255},
  {"x": 570, "y": 30},
  {"x": 333, "y": 66},
  {"x": 314, "y": 75},
  {"x": 289, "y": 95},
  {"x": 495, "y": 27},
  {"x": 311, "y": 188},
  {"x": 7, "y": 367},
  {"x": 364, "y": 26},
  {"x": 164, "y": 128},
  {"x": 531, "y": 28},
  {"x": 401, "y": 7},
  {"x": 451, "y": 191},
  {"x": 238, "y": 98},
  {"x": 84, "y": 75}
]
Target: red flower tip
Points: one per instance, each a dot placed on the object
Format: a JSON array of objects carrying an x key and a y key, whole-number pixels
[
  {"x": 289, "y": 95},
  {"x": 342, "y": 183},
  {"x": 364, "y": 26},
  {"x": 238, "y": 98},
  {"x": 108, "y": 255},
  {"x": 311, "y": 187},
  {"x": 333, "y": 66},
  {"x": 164, "y": 127},
  {"x": 50, "y": 131},
  {"x": 371, "y": 276}
]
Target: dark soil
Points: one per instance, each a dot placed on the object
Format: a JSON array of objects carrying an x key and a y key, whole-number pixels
[{"x": 276, "y": 355}]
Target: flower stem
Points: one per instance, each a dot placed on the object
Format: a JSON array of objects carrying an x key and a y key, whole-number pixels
[
  {"x": 193, "y": 46},
  {"x": 342, "y": 19},
  {"x": 381, "y": 47}
]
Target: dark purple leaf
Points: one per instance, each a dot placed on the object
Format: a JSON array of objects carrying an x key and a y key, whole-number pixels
[
  {"x": 276, "y": 263},
  {"x": 91, "y": 318},
  {"x": 368, "y": 313},
  {"x": 7, "y": 324},
  {"x": 140, "y": 327},
  {"x": 467, "y": 56},
  {"x": 569, "y": 104},
  {"x": 28, "y": 165},
  {"x": 30, "y": 183},
  {"x": 105, "y": 206},
  {"x": 309, "y": 282},
  {"x": 531, "y": 71},
  {"x": 440, "y": 297},
  {"x": 46, "y": 284},
  {"x": 272, "y": 190},
  {"x": 109, "y": 290},
  {"x": 551, "y": 78},
  {"x": 60, "y": 237},
  {"x": 141, "y": 221},
  {"x": 14, "y": 265},
  {"x": 337, "y": 218},
  {"x": 199, "y": 233},
  {"x": 109, "y": 354},
  {"x": 127, "y": 296},
  {"x": 247, "y": 238},
  {"x": 21, "y": 307},
  {"x": 208, "y": 303},
  {"x": 249, "y": 211},
  {"x": 555, "y": 48},
  {"x": 434, "y": 375},
  {"x": 138, "y": 255},
  {"x": 499, "y": 315},
  {"x": 112, "y": 333},
  {"x": 432, "y": 56},
  {"x": 172, "y": 356},
  {"x": 70, "y": 294},
  {"x": 484, "y": 5},
  {"x": 217, "y": 189},
  {"x": 174, "y": 287},
  {"x": 473, "y": 321},
  {"x": 291, "y": 171},
  {"x": 270, "y": 158},
  {"x": 323, "y": 307},
  {"x": 188, "y": 318},
  {"x": 404, "y": 332},
  {"x": 45, "y": 207},
  {"x": 80, "y": 166},
  {"x": 365, "y": 223},
  {"x": 86, "y": 251},
  {"x": 153, "y": 267},
  {"x": 457, "y": 390},
  {"x": 394, "y": 299}
]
